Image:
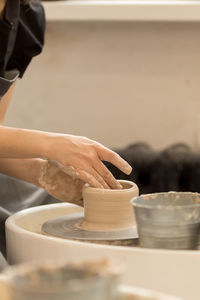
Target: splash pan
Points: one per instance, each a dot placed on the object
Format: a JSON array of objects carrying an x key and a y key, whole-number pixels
[{"x": 155, "y": 269}]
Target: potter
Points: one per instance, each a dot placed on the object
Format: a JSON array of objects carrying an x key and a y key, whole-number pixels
[{"x": 60, "y": 164}]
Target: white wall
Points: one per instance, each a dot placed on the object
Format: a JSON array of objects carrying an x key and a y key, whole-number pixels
[{"x": 115, "y": 82}]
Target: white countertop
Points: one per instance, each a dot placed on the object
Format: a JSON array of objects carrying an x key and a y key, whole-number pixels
[{"x": 122, "y": 10}]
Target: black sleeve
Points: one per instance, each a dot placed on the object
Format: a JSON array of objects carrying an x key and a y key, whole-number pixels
[
  {"x": 5, "y": 30},
  {"x": 30, "y": 36},
  {"x": 5, "y": 82},
  {"x": 22, "y": 30}
]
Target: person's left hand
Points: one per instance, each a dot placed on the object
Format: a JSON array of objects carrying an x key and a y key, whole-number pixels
[{"x": 59, "y": 184}]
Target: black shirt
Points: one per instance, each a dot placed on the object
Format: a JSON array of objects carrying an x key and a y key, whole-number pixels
[{"x": 21, "y": 37}]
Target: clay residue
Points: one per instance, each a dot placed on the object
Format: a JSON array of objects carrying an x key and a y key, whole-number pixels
[{"x": 61, "y": 185}]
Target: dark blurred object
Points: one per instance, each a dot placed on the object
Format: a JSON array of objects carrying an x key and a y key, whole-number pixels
[{"x": 176, "y": 168}]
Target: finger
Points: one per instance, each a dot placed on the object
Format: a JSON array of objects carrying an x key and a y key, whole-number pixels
[
  {"x": 99, "y": 178},
  {"x": 89, "y": 169},
  {"x": 107, "y": 176},
  {"x": 111, "y": 156},
  {"x": 88, "y": 178}
]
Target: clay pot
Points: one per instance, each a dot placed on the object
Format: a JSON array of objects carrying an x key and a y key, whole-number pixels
[
  {"x": 108, "y": 210},
  {"x": 108, "y": 217}
]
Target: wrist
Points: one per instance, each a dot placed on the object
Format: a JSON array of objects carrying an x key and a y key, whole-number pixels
[
  {"x": 23, "y": 143},
  {"x": 54, "y": 146},
  {"x": 24, "y": 169},
  {"x": 47, "y": 145}
]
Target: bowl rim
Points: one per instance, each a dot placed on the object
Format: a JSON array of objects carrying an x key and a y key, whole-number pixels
[
  {"x": 133, "y": 187},
  {"x": 161, "y": 207},
  {"x": 10, "y": 274}
]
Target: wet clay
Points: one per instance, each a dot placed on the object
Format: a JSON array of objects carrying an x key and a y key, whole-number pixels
[
  {"x": 61, "y": 182},
  {"x": 108, "y": 210}
]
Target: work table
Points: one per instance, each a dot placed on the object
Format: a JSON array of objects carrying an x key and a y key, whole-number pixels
[{"x": 122, "y": 10}]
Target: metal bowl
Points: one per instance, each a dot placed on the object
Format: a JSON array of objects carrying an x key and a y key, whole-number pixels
[
  {"x": 168, "y": 220},
  {"x": 58, "y": 280}
]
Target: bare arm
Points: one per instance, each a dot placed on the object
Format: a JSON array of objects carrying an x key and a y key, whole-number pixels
[
  {"x": 20, "y": 143},
  {"x": 40, "y": 172},
  {"x": 5, "y": 102},
  {"x": 24, "y": 169},
  {"x": 82, "y": 155},
  {"x": 2, "y": 5}
]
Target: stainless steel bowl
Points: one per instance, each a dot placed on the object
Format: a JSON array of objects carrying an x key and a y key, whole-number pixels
[
  {"x": 59, "y": 280},
  {"x": 168, "y": 220}
]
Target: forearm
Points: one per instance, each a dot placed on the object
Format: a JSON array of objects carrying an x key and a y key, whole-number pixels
[
  {"x": 4, "y": 102},
  {"x": 2, "y": 5},
  {"x": 80, "y": 155},
  {"x": 22, "y": 143},
  {"x": 24, "y": 169}
]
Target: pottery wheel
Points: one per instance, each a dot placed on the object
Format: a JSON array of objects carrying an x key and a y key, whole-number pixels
[{"x": 66, "y": 227}]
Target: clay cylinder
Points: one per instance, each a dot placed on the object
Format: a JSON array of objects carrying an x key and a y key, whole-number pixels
[{"x": 108, "y": 210}]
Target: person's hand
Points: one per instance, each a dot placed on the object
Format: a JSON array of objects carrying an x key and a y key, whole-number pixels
[
  {"x": 82, "y": 158},
  {"x": 59, "y": 184}
]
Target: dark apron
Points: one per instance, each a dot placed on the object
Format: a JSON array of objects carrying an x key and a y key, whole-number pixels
[{"x": 16, "y": 195}]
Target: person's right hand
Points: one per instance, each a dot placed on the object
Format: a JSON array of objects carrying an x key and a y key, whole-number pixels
[{"x": 82, "y": 158}]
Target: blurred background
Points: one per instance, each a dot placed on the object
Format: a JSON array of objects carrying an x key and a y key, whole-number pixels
[{"x": 121, "y": 83}]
